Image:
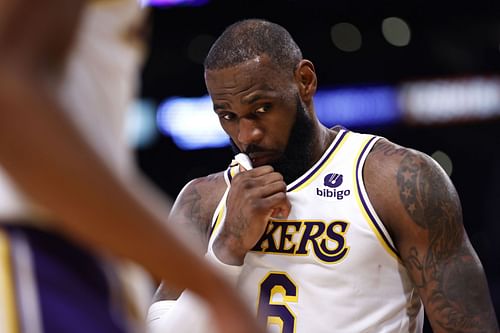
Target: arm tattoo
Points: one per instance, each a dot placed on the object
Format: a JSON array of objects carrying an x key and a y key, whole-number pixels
[
  {"x": 191, "y": 203},
  {"x": 236, "y": 230},
  {"x": 191, "y": 206},
  {"x": 389, "y": 149},
  {"x": 448, "y": 268}
]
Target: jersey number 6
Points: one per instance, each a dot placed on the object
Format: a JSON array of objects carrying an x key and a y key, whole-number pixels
[{"x": 276, "y": 290}]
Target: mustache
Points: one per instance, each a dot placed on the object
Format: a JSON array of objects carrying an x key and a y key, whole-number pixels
[
  {"x": 250, "y": 149},
  {"x": 254, "y": 149}
]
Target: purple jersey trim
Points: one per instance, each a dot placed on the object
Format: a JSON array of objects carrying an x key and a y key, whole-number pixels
[
  {"x": 74, "y": 291},
  {"x": 363, "y": 200}
]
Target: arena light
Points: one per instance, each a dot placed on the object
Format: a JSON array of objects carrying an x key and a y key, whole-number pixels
[
  {"x": 346, "y": 37},
  {"x": 454, "y": 100},
  {"x": 444, "y": 161},
  {"x": 396, "y": 31},
  {"x": 357, "y": 107},
  {"x": 191, "y": 122}
]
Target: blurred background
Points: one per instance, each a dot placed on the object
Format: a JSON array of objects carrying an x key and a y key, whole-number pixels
[{"x": 425, "y": 74}]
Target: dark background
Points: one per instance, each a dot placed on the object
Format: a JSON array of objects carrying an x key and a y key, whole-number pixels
[{"x": 449, "y": 40}]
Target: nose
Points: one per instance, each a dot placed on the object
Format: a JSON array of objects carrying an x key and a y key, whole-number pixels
[{"x": 249, "y": 132}]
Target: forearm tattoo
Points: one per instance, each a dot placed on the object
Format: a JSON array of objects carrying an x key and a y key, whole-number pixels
[{"x": 236, "y": 231}]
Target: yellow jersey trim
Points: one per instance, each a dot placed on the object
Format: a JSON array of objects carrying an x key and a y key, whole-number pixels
[
  {"x": 8, "y": 315},
  {"x": 217, "y": 221},
  {"x": 318, "y": 169}
]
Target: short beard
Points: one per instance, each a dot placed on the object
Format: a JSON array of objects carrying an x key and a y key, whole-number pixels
[{"x": 298, "y": 155}]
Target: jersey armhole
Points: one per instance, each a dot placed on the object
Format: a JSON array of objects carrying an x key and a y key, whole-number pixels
[{"x": 364, "y": 202}]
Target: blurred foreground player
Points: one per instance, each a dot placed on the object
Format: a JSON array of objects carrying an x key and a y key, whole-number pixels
[{"x": 69, "y": 194}]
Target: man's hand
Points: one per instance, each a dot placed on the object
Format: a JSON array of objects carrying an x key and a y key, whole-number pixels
[{"x": 255, "y": 196}]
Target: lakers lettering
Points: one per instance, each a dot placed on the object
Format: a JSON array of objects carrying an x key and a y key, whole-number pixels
[{"x": 326, "y": 240}]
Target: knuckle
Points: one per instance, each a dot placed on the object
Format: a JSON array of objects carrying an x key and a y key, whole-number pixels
[
  {"x": 279, "y": 176},
  {"x": 281, "y": 196},
  {"x": 283, "y": 185},
  {"x": 267, "y": 169}
]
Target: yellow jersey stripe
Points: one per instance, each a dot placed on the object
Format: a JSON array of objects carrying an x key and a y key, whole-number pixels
[
  {"x": 217, "y": 221},
  {"x": 8, "y": 313},
  {"x": 341, "y": 139}
]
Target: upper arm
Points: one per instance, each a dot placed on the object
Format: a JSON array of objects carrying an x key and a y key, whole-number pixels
[
  {"x": 194, "y": 207},
  {"x": 191, "y": 215},
  {"x": 421, "y": 209}
]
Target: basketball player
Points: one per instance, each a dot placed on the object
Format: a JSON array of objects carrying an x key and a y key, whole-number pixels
[
  {"x": 329, "y": 230},
  {"x": 69, "y": 194}
]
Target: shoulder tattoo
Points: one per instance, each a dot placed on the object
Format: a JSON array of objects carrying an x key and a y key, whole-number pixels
[
  {"x": 447, "y": 266},
  {"x": 430, "y": 200}
]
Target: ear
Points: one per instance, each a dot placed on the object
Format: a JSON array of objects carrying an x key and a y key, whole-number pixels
[{"x": 305, "y": 75}]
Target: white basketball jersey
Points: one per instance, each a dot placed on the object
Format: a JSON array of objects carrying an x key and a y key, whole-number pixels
[{"x": 331, "y": 266}]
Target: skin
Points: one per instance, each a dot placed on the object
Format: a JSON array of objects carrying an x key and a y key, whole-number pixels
[
  {"x": 422, "y": 210},
  {"x": 106, "y": 213},
  {"x": 413, "y": 196}
]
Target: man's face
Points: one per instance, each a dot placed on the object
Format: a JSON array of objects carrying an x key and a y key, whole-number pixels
[
  {"x": 298, "y": 152},
  {"x": 260, "y": 109}
]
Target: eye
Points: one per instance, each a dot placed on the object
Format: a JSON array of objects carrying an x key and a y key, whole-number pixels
[
  {"x": 226, "y": 116},
  {"x": 263, "y": 109}
]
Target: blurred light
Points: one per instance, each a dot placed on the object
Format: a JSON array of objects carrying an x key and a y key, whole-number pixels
[
  {"x": 396, "y": 31},
  {"x": 191, "y": 122},
  {"x": 172, "y": 3},
  {"x": 363, "y": 106},
  {"x": 450, "y": 100},
  {"x": 444, "y": 161},
  {"x": 199, "y": 47},
  {"x": 346, "y": 37},
  {"x": 140, "y": 124}
]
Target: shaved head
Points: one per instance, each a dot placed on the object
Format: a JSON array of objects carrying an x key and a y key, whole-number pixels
[{"x": 252, "y": 38}]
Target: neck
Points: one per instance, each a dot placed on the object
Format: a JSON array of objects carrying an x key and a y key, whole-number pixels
[{"x": 322, "y": 140}]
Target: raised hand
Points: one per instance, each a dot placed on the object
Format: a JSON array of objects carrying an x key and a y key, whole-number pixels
[{"x": 255, "y": 196}]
